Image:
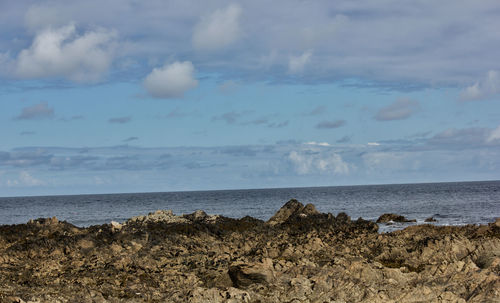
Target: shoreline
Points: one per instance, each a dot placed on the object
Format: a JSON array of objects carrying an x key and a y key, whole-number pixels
[{"x": 299, "y": 255}]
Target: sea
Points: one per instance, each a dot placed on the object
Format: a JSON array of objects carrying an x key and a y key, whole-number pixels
[{"x": 457, "y": 203}]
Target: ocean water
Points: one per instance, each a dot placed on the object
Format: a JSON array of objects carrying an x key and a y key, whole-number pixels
[{"x": 449, "y": 203}]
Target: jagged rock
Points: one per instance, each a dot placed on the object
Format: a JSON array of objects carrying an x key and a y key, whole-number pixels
[
  {"x": 300, "y": 256},
  {"x": 245, "y": 274},
  {"x": 201, "y": 216},
  {"x": 115, "y": 226},
  {"x": 44, "y": 221},
  {"x": 343, "y": 218},
  {"x": 385, "y": 218},
  {"x": 292, "y": 209},
  {"x": 430, "y": 219},
  {"x": 164, "y": 216}
]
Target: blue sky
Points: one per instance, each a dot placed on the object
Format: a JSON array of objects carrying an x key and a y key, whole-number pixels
[{"x": 130, "y": 96}]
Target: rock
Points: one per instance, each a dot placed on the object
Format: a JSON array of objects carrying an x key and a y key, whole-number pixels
[
  {"x": 310, "y": 209},
  {"x": 343, "y": 218},
  {"x": 286, "y": 211},
  {"x": 430, "y": 219},
  {"x": 14, "y": 299},
  {"x": 197, "y": 216},
  {"x": 300, "y": 256},
  {"x": 200, "y": 216},
  {"x": 292, "y": 209},
  {"x": 44, "y": 221},
  {"x": 163, "y": 216},
  {"x": 245, "y": 274},
  {"x": 115, "y": 226},
  {"x": 385, "y": 218}
]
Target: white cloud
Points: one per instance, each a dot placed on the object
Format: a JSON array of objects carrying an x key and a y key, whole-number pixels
[
  {"x": 218, "y": 30},
  {"x": 494, "y": 135},
  {"x": 487, "y": 87},
  {"x": 310, "y": 163},
  {"x": 351, "y": 39},
  {"x": 297, "y": 64},
  {"x": 171, "y": 80},
  {"x": 24, "y": 179},
  {"x": 317, "y": 143},
  {"x": 373, "y": 144},
  {"x": 62, "y": 52}
]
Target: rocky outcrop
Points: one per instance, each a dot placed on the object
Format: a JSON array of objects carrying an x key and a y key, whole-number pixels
[
  {"x": 293, "y": 209},
  {"x": 430, "y": 219},
  {"x": 386, "y": 218},
  {"x": 300, "y": 255}
]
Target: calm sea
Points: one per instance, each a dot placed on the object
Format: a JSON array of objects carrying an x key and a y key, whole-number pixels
[{"x": 449, "y": 203}]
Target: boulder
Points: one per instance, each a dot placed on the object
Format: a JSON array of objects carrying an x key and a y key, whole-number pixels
[
  {"x": 245, "y": 274},
  {"x": 385, "y": 218},
  {"x": 292, "y": 209},
  {"x": 430, "y": 219}
]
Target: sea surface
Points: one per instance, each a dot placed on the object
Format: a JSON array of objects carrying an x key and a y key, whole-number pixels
[{"x": 449, "y": 203}]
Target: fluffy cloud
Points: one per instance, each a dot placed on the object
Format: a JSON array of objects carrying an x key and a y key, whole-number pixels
[
  {"x": 278, "y": 165},
  {"x": 62, "y": 52},
  {"x": 494, "y": 135},
  {"x": 311, "y": 163},
  {"x": 330, "y": 124},
  {"x": 487, "y": 87},
  {"x": 171, "y": 80},
  {"x": 455, "y": 43},
  {"x": 218, "y": 30},
  {"x": 401, "y": 109},
  {"x": 24, "y": 179},
  {"x": 37, "y": 111},
  {"x": 297, "y": 64}
]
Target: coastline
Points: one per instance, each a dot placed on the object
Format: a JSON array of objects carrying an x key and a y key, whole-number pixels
[{"x": 299, "y": 255}]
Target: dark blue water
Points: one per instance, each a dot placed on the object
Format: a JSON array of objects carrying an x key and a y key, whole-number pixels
[{"x": 450, "y": 203}]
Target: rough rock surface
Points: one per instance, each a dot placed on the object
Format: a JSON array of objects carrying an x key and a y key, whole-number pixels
[
  {"x": 430, "y": 219},
  {"x": 385, "y": 218},
  {"x": 299, "y": 256}
]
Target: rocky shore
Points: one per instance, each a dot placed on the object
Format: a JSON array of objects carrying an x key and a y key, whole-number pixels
[{"x": 299, "y": 255}]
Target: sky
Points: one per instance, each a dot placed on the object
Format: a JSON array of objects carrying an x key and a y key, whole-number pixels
[{"x": 145, "y": 96}]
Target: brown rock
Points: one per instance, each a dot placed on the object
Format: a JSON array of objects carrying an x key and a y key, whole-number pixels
[
  {"x": 385, "y": 218},
  {"x": 292, "y": 207},
  {"x": 304, "y": 256},
  {"x": 246, "y": 274},
  {"x": 291, "y": 210}
]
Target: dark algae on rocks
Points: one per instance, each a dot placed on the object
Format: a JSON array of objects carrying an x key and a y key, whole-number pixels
[{"x": 299, "y": 255}]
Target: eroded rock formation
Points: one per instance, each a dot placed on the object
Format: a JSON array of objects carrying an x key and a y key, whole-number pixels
[{"x": 299, "y": 255}]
